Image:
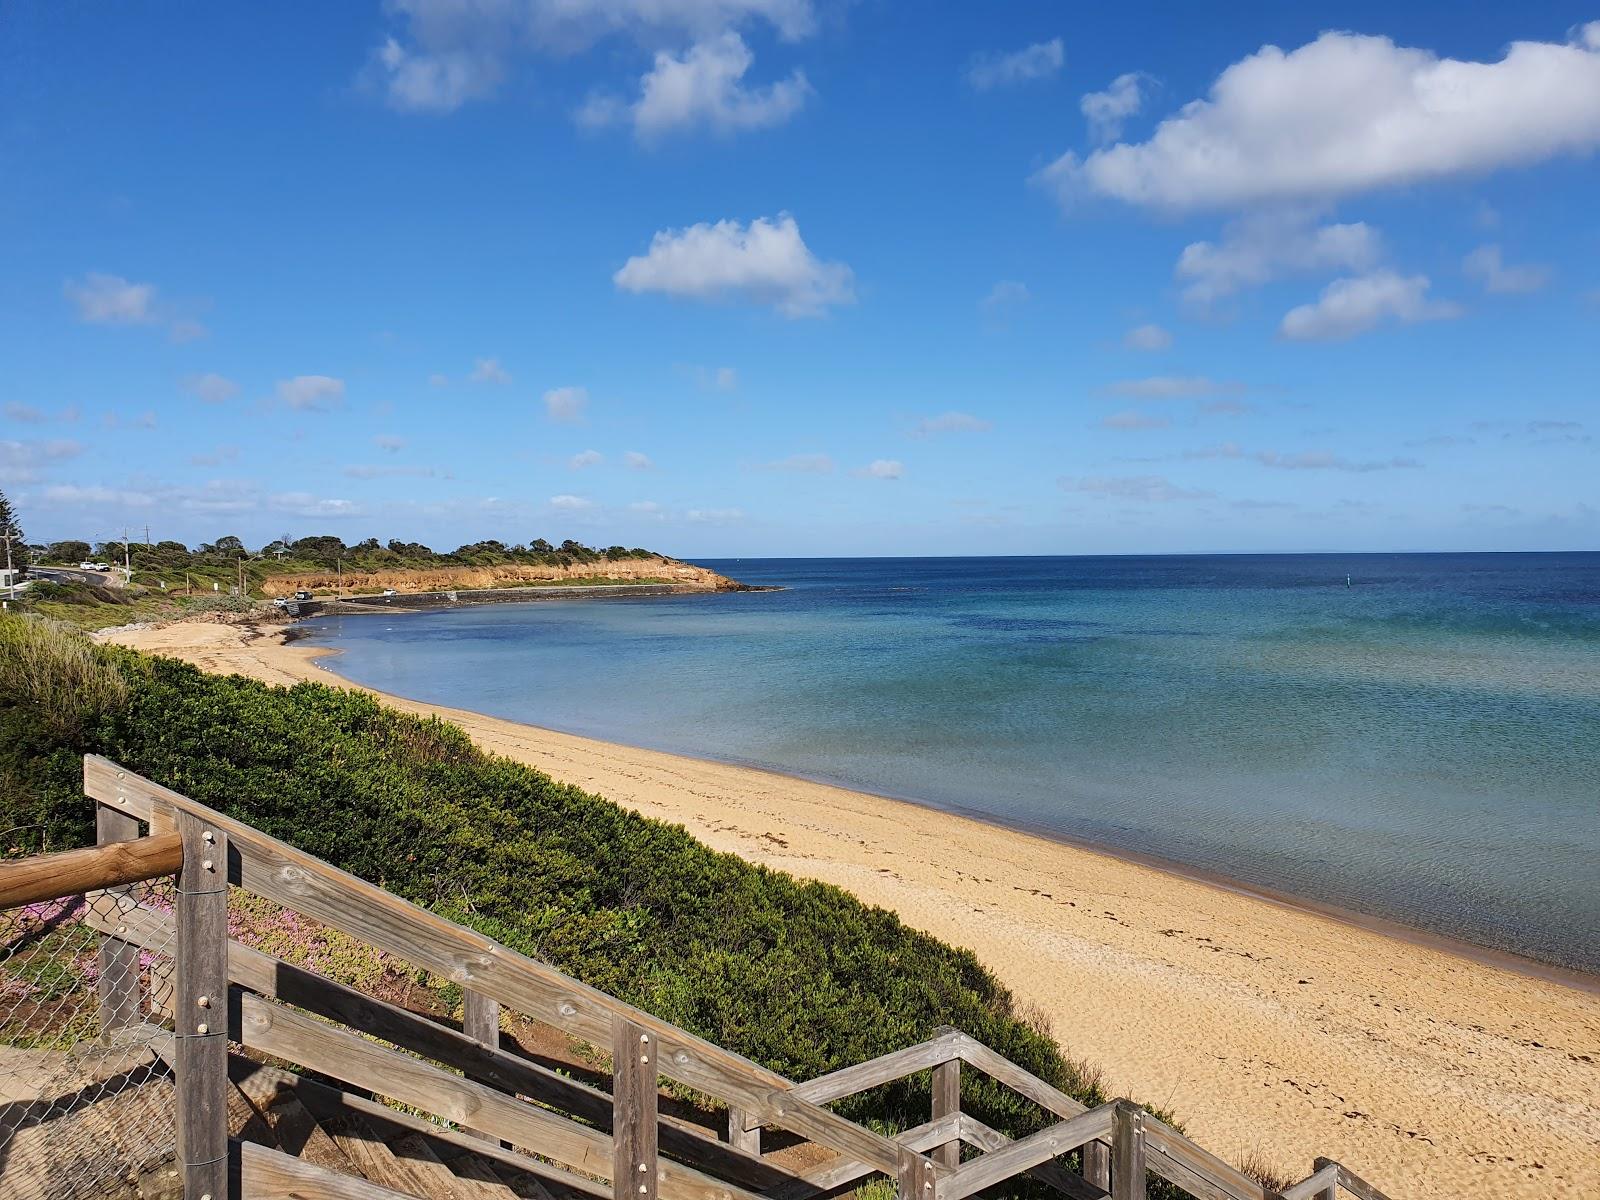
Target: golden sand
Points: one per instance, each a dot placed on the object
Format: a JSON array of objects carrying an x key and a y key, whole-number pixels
[{"x": 1269, "y": 1030}]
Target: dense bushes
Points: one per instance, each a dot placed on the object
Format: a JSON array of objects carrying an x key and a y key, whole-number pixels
[{"x": 799, "y": 976}]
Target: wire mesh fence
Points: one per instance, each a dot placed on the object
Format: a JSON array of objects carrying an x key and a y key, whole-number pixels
[{"x": 86, "y": 1098}]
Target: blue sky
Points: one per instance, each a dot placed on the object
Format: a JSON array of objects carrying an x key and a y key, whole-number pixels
[{"x": 769, "y": 277}]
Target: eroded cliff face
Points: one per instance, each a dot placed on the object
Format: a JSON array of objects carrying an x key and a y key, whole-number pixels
[{"x": 628, "y": 570}]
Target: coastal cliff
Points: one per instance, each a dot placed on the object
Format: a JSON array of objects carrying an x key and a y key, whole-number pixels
[{"x": 655, "y": 569}]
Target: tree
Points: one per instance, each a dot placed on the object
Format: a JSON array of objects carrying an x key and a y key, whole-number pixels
[
  {"x": 67, "y": 552},
  {"x": 9, "y": 523}
]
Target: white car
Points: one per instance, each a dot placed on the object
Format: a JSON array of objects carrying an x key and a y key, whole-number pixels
[
  {"x": 389, "y": 592},
  {"x": 94, "y": 566}
]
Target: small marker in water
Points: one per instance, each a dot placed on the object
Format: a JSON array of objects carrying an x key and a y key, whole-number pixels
[{"x": 1347, "y": 581}]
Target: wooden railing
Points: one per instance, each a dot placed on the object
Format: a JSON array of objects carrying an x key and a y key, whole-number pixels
[{"x": 618, "y": 1144}]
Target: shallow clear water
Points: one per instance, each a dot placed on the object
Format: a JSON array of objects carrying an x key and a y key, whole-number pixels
[{"x": 1423, "y": 744}]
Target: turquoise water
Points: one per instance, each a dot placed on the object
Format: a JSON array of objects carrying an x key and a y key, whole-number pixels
[{"x": 1423, "y": 744}]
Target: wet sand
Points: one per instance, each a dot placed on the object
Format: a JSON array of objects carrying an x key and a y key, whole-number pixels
[{"x": 1272, "y": 1030}]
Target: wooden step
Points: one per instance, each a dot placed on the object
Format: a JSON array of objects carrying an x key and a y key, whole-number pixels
[{"x": 481, "y": 1179}]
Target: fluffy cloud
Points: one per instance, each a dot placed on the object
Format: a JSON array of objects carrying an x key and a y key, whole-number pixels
[
  {"x": 586, "y": 458},
  {"x": 566, "y": 502},
  {"x": 636, "y": 461},
  {"x": 1349, "y": 113},
  {"x": 765, "y": 262},
  {"x": 1348, "y": 307},
  {"x": 951, "y": 422},
  {"x": 1107, "y": 111},
  {"x": 391, "y": 442},
  {"x": 566, "y": 405},
  {"x": 25, "y": 413},
  {"x": 311, "y": 393},
  {"x": 489, "y": 370},
  {"x": 704, "y": 87},
  {"x": 1271, "y": 245},
  {"x": 1038, "y": 61},
  {"x": 715, "y": 516},
  {"x": 454, "y": 52},
  {"x": 211, "y": 387},
  {"x": 20, "y": 462},
  {"x": 1170, "y": 387},
  {"x": 1486, "y": 265},
  {"x": 808, "y": 464},
  {"x": 73, "y": 496},
  {"x": 1147, "y": 337},
  {"x": 112, "y": 300},
  {"x": 883, "y": 468},
  {"x": 1132, "y": 420},
  {"x": 304, "y": 504},
  {"x": 1147, "y": 489}
]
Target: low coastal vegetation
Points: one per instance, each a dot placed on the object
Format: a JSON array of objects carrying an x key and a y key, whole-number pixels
[{"x": 799, "y": 976}]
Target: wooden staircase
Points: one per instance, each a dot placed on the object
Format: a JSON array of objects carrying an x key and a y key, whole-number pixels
[{"x": 283, "y": 1082}]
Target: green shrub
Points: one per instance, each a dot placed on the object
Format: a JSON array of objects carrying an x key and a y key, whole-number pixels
[{"x": 799, "y": 976}]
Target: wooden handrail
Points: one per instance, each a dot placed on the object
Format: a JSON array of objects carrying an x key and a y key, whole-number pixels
[
  {"x": 487, "y": 1097},
  {"x": 268, "y": 867},
  {"x": 90, "y": 869}
]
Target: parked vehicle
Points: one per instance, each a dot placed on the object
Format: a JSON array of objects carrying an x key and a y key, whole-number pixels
[
  {"x": 302, "y": 595},
  {"x": 281, "y": 601},
  {"x": 389, "y": 592}
]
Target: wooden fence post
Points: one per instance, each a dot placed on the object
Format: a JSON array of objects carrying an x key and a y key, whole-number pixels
[
  {"x": 117, "y": 983},
  {"x": 947, "y": 1103},
  {"x": 914, "y": 1180},
  {"x": 1097, "y": 1164},
  {"x": 1331, "y": 1192},
  {"x": 740, "y": 1138},
  {"x": 480, "y": 1020},
  {"x": 1127, "y": 1153},
  {"x": 633, "y": 1114},
  {"x": 200, "y": 1006}
]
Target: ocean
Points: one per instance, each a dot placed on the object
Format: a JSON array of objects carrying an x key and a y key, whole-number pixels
[{"x": 1411, "y": 736}]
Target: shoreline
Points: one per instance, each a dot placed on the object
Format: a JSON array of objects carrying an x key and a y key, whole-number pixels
[{"x": 1271, "y": 1024}]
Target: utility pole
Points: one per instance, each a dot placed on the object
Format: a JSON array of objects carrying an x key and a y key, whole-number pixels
[
  {"x": 127, "y": 556},
  {"x": 241, "y": 577},
  {"x": 11, "y": 579}
]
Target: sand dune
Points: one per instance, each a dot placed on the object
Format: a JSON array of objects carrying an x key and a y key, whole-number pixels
[{"x": 1268, "y": 1029}]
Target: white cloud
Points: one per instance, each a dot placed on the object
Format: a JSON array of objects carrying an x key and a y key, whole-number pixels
[
  {"x": 951, "y": 422},
  {"x": 647, "y": 508},
  {"x": 304, "y": 504},
  {"x": 25, "y": 413},
  {"x": 103, "y": 299},
  {"x": 1131, "y": 421},
  {"x": 311, "y": 393},
  {"x": 636, "y": 461},
  {"x": 1349, "y": 113},
  {"x": 805, "y": 464},
  {"x": 112, "y": 300},
  {"x": 1005, "y": 294},
  {"x": 215, "y": 458},
  {"x": 567, "y": 502},
  {"x": 1147, "y": 489},
  {"x": 1147, "y": 337},
  {"x": 73, "y": 495},
  {"x": 1264, "y": 246},
  {"x": 20, "y": 462},
  {"x": 455, "y": 51},
  {"x": 1351, "y": 306},
  {"x": 883, "y": 468},
  {"x": 727, "y": 379},
  {"x": 438, "y": 380},
  {"x": 392, "y": 442},
  {"x": 765, "y": 262},
  {"x": 1038, "y": 61},
  {"x": 566, "y": 405},
  {"x": 1486, "y": 265},
  {"x": 489, "y": 370},
  {"x": 1170, "y": 387},
  {"x": 211, "y": 387},
  {"x": 1109, "y": 110},
  {"x": 586, "y": 458},
  {"x": 705, "y": 87},
  {"x": 715, "y": 516}
]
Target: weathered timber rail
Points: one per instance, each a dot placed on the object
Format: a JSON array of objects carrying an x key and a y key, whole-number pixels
[{"x": 498, "y": 1123}]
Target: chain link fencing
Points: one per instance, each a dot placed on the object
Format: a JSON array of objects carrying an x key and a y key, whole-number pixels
[{"x": 86, "y": 1095}]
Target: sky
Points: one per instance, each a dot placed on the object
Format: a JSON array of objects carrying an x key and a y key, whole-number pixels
[{"x": 804, "y": 277}]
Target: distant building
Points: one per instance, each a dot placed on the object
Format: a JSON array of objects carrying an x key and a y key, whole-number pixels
[{"x": 9, "y": 578}]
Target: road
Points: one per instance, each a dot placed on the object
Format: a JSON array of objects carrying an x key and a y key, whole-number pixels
[{"x": 73, "y": 575}]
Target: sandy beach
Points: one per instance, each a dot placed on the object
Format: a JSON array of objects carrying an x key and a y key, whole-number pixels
[{"x": 1270, "y": 1030}]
